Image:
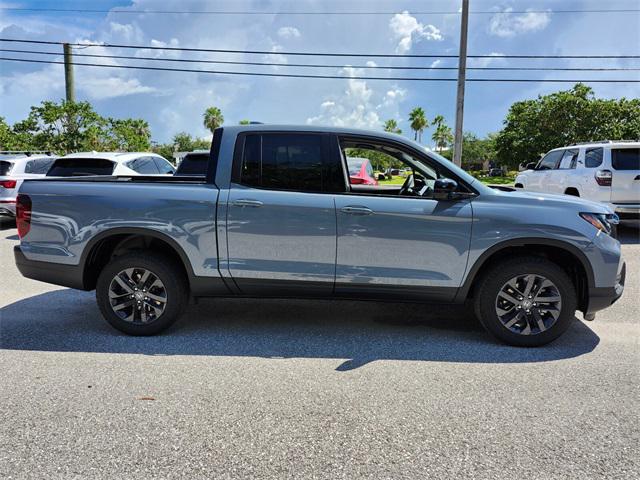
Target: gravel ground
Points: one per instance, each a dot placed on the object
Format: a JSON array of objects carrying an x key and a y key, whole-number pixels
[{"x": 311, "y": 389}]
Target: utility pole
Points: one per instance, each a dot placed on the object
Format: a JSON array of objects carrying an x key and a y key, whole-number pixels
[
  {"x": 462, "y": 74},
  {"x": 68, "y": 73}
]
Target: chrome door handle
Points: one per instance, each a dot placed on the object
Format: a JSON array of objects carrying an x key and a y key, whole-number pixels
[
  {"x": 356, "y": 210},
  {"x": 245, "y": 202}
]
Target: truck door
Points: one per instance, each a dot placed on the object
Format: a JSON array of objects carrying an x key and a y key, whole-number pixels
[
  {"x": 281, "y": 219},
  {"x": 538, "y": 179}
]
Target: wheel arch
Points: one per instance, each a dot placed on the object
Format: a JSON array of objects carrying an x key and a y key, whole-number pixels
[{"x": 566, "y": 255}]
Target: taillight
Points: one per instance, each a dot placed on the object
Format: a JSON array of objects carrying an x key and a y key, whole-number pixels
[
  {"x": 8, "y": 183},
  {"x": 603, "y": 177},
  {"x": 23, "y": 214}
]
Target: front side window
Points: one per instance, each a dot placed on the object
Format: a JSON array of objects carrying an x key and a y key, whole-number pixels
[
  {"x": 625, "y": 158},
  {"x": 143, "y": 165},
  {"x": 163, "y": 166},
  {"x": 281, "y": 161},
  {"x": 593, "y": 157},
  {"x": 40, "y": 166},
  {"x": 569, "y": 159},
  {"x": 550, "y": 161}
]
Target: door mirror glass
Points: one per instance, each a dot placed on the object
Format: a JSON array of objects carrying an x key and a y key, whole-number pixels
[{"x": 443, "y": 188}]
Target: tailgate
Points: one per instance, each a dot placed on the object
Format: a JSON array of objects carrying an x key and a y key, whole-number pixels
[{"x": 625, "y": 182}]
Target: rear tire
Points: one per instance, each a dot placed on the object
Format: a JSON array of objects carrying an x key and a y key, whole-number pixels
[
  {"x": 142, "y": 293},
  {"x": 524, "y": 315}
]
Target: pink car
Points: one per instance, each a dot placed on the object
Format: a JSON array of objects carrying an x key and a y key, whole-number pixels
[{"x": 360, "y": 171}]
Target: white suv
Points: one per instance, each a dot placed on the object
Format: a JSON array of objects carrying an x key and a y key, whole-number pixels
[
  {"x": 14, "y": 168},
  {"x": 607, "y": 172},
  {"x": 110, "y": 163}
]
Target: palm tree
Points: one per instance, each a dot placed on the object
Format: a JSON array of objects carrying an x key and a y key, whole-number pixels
[
  {"x": 418, "y": 122},
  {"x": 391, "y": 126},
  {"x": 443, "y": 136},
  {"x": 437, "y": 121},
  {"x": 212, "y": 118}
]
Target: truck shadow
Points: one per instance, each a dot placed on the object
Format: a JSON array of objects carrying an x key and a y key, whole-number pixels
[
  {"x": 358, "y": 332},
  {"x": 628, "y": 235}
]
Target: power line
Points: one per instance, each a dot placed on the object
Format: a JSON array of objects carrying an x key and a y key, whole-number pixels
[
  {"x": 318, "y": 65},
  {"x": 291, "y": 12},
  {"x": 338, "y": 77},
  {"x": 313, "y": 54}
]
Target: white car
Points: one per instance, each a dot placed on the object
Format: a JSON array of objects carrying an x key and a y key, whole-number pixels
[
  {"x": 607, "y": 172},
  {"x": 110, "y": 163},
  {"x": 14, "y": 168}
]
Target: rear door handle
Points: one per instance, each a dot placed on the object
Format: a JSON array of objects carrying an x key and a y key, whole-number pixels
[
  {"x": 356, "y": 210},
  {"x": 246, "y": 202}
]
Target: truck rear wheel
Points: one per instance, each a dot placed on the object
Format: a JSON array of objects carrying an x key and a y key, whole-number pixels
[
  {"x": 141, "y": 293},
  {"x": 526, "y": 301}
]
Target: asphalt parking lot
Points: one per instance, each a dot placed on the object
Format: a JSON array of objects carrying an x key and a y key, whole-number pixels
[{"x": 318, "y": 389}]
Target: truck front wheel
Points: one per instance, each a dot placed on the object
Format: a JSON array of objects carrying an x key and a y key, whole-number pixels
[
  {"x": 141, "y": 293},
  {"x": 526, "y": 301}
]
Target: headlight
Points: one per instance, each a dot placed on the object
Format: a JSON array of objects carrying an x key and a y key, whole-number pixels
[{"x": 602, "y": 221}]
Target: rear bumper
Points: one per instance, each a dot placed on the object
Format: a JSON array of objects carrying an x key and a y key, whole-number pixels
[
  {"x": 601, "y": 298},
  {"x": 627, "y": 212},
  {"x": 55, "y": 273}
]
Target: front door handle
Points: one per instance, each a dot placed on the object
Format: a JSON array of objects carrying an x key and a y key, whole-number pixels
[
  {"x": 245, "y": 202},
  {"x": 356, "y": 210}
]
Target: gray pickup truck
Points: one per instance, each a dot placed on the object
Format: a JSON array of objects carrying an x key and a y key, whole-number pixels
[{"x": 276, "y": 214}]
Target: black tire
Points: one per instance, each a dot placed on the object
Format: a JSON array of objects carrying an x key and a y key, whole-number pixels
[
  {"x": 174, "y": 289},
  {"x": 493, "y": 281}
]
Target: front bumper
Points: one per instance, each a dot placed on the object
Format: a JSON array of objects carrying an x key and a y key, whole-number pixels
[
  {"x": 604, "y": 297},
  {"x": 49, "y": 272}
]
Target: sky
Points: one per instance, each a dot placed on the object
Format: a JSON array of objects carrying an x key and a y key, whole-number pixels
[{"x": 174, "y": 102}]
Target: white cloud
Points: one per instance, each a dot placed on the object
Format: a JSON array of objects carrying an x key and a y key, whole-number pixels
[
  {"x": 288, "y": 32},
  {"x": 406, "y": 29},
  {"x": 510, "y": 24},
  {"x": 100, "y": 88},
  {"x": 435, "y": 63},
  {"x": 275, "y": 57},
  {"x": 371, "y": 63},
  {"x": 359, "y": 105}
]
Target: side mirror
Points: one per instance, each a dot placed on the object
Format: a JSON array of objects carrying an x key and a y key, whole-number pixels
[
  {"x": 356, "y": 180},
  {"x": 531, "y": 165},
  {"x": 444, "y": 188}
]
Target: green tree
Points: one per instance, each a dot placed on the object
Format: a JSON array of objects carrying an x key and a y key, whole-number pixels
[
  {"x": 213, "y": 118},
  {"x": 391, "y": 126},
  {"x": 443, "y": 135},
  {"x": 533, "y": 127},
  {"x": 419, "y": 122},
  {"x": 130, "y": 134},
  {"x": 244, "y": 122}
]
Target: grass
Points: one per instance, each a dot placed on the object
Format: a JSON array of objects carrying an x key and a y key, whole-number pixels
[
  {"x": 497, "y": 180},
  {"x": 394, "y": 181}
]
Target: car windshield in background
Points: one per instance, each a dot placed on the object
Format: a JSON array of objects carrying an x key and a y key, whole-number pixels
[
  {"x": 193, "y": 164},
  {"x": 5, "y": 167},
  {"x": 78, "y": 167},
  {"x": 355, "y": 164},
  {"x": 625, "y": 158}
]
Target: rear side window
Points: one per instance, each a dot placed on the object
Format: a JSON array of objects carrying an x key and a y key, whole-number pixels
[
  {"x": 593, "y": 157},
  {"x": 193, "y": 164},
  {"x": 288, "y": 162},
  {"x": 75, "y": 167},
  {"x": 163, "y": 166},
  {"x": 625, "y": 158},
  {"x": 5, "y": 168},
  {"x": 143, "y": 165},
  {"x": 40, "y": 166},
  {"x": 550, "y": 161}
]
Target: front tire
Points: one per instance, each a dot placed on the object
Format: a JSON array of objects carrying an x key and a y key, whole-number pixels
[
  {"x": 141, "y": 293},
  {"x": 526, "y": 301}
]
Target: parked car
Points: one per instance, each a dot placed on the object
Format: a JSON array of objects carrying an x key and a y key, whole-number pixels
[
  {"x": 361, "y": 171},
  {"x": 278, "y": 217},
  {"x": 193, "y": 164},
  {"x": 607, "y": 172},
  {"x": 496, "y": 172},
  {"x": 110, "y": 163},
  {"x": 14, "y": 168}
]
